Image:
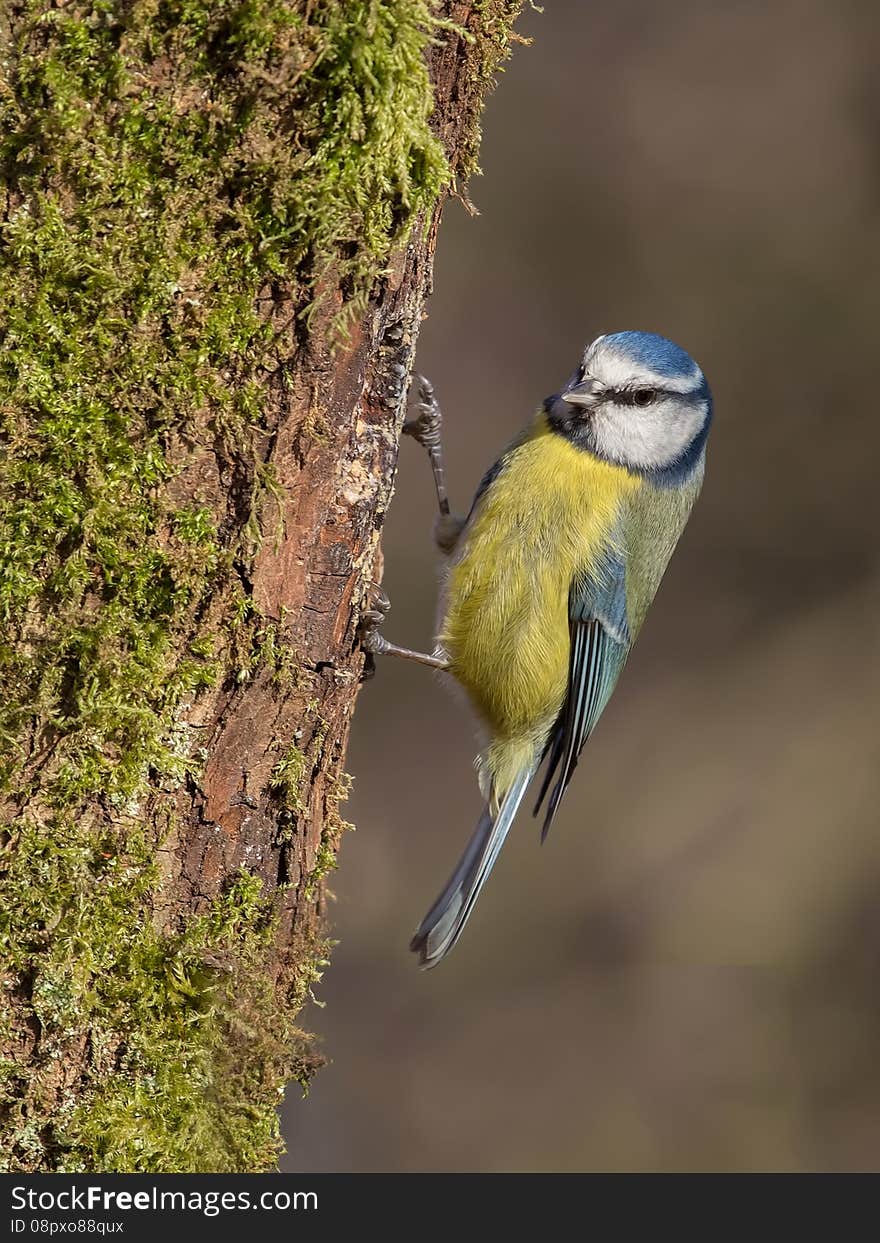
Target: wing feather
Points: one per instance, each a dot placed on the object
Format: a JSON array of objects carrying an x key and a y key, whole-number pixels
[{"x": 599, "y": 646}]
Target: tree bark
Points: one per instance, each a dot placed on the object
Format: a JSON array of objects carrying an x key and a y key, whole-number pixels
[{"x": 218, "y": 224}]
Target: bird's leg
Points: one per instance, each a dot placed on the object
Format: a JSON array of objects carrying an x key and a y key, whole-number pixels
[
  {"x": 426, "y": 428},
  {"x": 375, "y": 644}
]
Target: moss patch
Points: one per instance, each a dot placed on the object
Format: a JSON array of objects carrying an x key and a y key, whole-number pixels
[
  {"x": 184, "y": 1089},
  {"x": 204, "y": 1110},
  {"x": 163, "y": 163}
]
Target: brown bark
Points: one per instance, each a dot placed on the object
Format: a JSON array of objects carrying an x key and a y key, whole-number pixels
[{"x": 335, "y": 489}]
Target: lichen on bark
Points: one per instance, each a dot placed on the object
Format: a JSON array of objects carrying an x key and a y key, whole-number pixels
[{"x": 199, "y": 199}]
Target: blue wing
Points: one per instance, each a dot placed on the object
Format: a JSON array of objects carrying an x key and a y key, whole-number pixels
[{"x": 599, "y": 646}]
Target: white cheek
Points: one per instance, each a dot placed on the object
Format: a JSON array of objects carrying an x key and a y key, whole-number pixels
[{"x": 647, "y": 438}]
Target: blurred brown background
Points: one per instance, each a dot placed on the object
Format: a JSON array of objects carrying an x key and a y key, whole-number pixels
[{"x": 686, "y": 975}]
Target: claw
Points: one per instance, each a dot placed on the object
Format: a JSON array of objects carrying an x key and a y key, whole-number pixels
[
  {"x": 425, "y": 427},
  {"x": 379, "y": 602},
  {"x": 426, "y": 391},
  {"x": 370, "y": 623}
]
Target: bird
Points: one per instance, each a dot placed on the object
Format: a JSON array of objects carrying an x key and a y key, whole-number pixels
[{"x": 550, "y": 576}]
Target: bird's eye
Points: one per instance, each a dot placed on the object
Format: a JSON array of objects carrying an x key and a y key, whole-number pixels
[{"x": 644, "y": 396}]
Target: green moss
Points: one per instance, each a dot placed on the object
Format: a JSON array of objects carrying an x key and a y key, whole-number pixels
[
  {"x": 260, "y": 643},
  {"x": 209, "y": 1105},
  {"x": 208, "y": 1045},
  {"x": 290, "y": 782},
  {"x": 331, "y": 834},
  {"x": 238, "y": 143},
  {"x": 288, "y": 779}
]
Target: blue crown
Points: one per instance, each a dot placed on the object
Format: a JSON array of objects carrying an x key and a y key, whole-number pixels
[{"x": 655, "y": 352}]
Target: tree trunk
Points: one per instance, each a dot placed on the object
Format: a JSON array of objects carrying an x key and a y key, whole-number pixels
[{"x": 218, "y": 222}]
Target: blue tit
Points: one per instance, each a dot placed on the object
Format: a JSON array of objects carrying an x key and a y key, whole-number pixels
[{"x": 551, "y": 576}]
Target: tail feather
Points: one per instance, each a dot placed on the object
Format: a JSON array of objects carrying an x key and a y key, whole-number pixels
[{"x": 443, "y": 924}]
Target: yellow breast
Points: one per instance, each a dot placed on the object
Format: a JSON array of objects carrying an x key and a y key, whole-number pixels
[{"x": 547, "y": 517}]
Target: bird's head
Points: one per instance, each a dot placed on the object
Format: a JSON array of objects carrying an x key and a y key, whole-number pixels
[{"x": 636, "y": 400}]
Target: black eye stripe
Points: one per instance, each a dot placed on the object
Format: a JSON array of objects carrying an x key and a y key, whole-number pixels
[{"x": 644, "y": 395}]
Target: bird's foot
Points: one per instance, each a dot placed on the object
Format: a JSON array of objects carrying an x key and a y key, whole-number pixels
[
  {"x": 369, "y": 636},
  {"x": 427, "y": 425},
  {"x": 375, "y": 644}
]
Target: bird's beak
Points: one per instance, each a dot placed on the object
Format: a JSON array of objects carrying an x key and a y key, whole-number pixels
[{"x": 586, "y": 393}]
